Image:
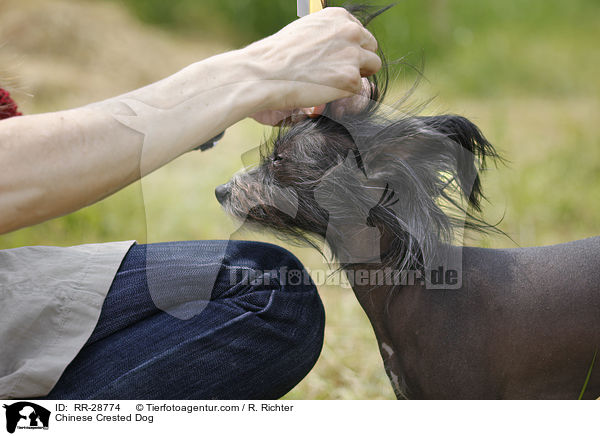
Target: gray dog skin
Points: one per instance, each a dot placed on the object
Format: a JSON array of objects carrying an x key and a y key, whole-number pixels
[{"x": 524, "y": 325}]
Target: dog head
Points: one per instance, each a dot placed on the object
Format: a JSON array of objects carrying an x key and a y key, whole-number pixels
[{"x": 378, "y": 184}]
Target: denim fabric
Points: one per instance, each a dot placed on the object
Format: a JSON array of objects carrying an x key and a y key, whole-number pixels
[{"x": 252, "y": 339}]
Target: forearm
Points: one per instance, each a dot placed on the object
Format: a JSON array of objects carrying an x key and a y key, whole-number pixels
[{"x": 55, "y": 163}]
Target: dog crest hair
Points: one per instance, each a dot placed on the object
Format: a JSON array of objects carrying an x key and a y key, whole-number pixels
[{"x": 362, "y": 178}]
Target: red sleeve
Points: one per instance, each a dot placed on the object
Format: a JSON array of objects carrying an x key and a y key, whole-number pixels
[{"x": 8, "y": 107}]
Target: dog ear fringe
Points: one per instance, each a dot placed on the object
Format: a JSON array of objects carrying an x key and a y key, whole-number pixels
[{"x": 466, "y": 134}]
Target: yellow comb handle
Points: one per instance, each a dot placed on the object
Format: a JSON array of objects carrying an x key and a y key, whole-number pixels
[{"x": 315, "y": 6}]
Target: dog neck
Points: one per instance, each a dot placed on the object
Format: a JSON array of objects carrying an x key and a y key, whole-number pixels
[
  {"x": 374, "y": 300},
  {"x": 382, "y": 291}
]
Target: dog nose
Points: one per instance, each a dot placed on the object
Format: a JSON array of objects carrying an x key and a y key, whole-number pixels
[{"x": 222, "y": 192}]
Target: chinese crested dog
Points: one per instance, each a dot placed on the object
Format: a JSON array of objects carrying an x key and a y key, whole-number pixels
[{"x": 391, "y": 193}]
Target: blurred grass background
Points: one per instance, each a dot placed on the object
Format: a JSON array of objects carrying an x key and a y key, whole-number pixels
[{"x": 525, "y": 72}]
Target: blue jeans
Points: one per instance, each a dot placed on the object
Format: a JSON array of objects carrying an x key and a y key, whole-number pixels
[{"x": 253, "y": 339}]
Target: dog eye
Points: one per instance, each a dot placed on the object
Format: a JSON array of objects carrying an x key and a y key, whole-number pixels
[{"x": 276, "y": 158}]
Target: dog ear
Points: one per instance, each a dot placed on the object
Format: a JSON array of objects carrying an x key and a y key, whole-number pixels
[{"x": 471, "y": 151}]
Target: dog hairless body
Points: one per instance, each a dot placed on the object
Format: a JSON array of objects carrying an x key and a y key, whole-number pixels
[
  {"x": 523, "y": 325},
  {"x": 390, "y": 190}
]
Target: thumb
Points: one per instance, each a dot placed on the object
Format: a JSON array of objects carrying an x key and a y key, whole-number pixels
[{"x": 314, "y": 112}]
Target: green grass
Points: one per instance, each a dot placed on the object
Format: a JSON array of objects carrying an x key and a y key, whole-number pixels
[
  {"x": 587, "y": 377},
  {"x": 529, "y": 82}
]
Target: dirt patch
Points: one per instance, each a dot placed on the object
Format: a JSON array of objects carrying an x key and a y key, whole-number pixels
[{"x": 66, "y": 53}]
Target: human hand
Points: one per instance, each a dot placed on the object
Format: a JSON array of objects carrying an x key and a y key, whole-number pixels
[
  {"x": 314, "y": 60},
  {"x": 344, "y": 106}
]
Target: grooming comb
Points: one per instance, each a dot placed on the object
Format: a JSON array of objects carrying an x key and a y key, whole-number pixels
[{"x": 305, "y": 7}]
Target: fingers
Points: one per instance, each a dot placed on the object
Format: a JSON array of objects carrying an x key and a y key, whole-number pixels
[
  {"x": 353, "y": 104},
  {"x": 341, "y": 11},
  {"x": 271, "y": 117},
  {"x": 370, "y": 63},
  {"x": 336, "y": 58},
  {"x": 276, "y": 117},
  {"x": 366, "y": 87},
  {"x": 369, "y": 42},
  {"x": 314, "y": 112}
]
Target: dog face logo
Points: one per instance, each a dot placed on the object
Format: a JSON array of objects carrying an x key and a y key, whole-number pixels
[
  {"x": 344, "y": 192},
  {"x": 26, "y": 415}
]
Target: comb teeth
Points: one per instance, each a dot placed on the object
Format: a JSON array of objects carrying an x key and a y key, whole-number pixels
[{"x": 305, "y": 7}]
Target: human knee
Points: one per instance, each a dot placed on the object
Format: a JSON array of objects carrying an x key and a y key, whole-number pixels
[
  {"x": 262, "y": 264},
  {"x": 278, "y": 282}
]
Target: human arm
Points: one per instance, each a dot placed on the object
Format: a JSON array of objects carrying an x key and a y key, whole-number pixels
[{"x": 55, "y": 163}]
